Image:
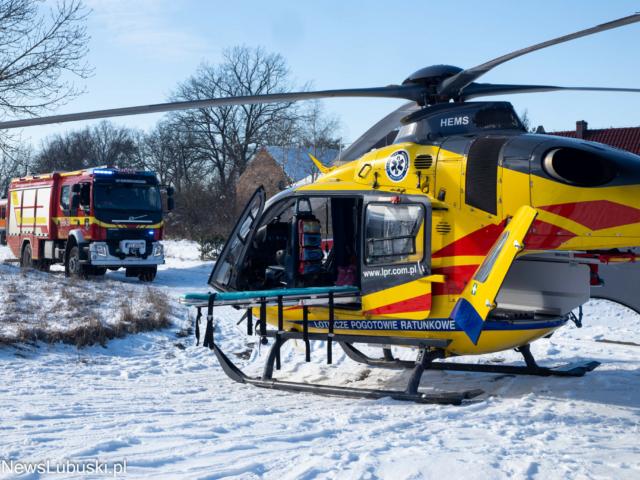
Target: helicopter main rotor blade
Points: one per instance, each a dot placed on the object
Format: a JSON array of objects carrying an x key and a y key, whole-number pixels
[
  {"x": 453, "y": 86},
  {"x": 375, "y": 134},
  {"x": 414, "y": 93},
  {"x": 476, "y": 90}
]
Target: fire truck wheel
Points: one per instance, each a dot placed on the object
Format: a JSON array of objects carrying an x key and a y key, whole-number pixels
[
  {"x": 73, "y": 267},
  {"x": 147, "y": 274},
  {"x": 27, "y": 257}
]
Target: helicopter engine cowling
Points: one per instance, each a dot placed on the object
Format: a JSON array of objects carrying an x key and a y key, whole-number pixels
[
  {"x": 579, "y": 167},
  {"x": 584, "y": 191}
]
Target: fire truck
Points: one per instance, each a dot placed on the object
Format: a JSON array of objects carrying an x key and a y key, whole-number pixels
[{"x": 89, "y": 221}]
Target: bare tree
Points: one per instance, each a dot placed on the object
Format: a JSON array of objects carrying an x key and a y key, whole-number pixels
[
  {"x": 111, "y": 145},
  {"x": 321, "y": 133},
  {"x": 312, "y": 131},
  {"x": 102, "y": 144},
  {"x": 63, "y": 152},
  {"x": 526, "y": 121},
  {"x": 174, "y": 155},
  {"x": 35, "y": 53},
  {"x": 159, "y": 152},
  {"x": 18, "y": 164},
  {"x": 230, "y": 136}
]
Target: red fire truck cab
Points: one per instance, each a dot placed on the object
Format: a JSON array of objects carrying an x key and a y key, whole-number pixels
[{"x": 90, "y": 221}]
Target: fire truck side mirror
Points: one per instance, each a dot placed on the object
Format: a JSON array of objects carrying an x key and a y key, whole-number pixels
[
  {"x": 75, "y": 188},
  {"x": 171, "y": 203},
  {"x": 75, "y": 201},
  {"x": 170, "y": 191}
]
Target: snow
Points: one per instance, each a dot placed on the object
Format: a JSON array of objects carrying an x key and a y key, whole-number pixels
[{"x": 166, "y": 407}]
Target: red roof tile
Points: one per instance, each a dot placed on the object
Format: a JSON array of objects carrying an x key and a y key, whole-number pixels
[{"x": 624, "y": 138}]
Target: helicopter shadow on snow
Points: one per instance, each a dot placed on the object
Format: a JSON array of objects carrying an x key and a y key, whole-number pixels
[
  {"x": 610, "y": 384},
  {"x": 615, "y": 382}
]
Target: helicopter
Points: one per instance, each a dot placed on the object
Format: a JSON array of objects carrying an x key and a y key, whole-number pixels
[{"x": 467, "y": 236}]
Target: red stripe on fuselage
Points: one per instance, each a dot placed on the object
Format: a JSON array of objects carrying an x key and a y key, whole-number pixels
[
  {"x": 476, "y": 243},
  {"x": 546, "y": 236},
  {"x": 457, "y": 278},
  {"x": 596, "y": 214}
]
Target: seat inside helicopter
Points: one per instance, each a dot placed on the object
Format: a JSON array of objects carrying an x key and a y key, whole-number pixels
[{"x": 304, "y": 242}]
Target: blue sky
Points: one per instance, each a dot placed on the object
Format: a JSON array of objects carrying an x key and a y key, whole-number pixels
[{"x": 141, "y": 49}]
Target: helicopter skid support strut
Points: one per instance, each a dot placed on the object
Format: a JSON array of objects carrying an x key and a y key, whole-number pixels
[
  {"x": 411, "y": 394},
  {"x": 577, "y": 369}
]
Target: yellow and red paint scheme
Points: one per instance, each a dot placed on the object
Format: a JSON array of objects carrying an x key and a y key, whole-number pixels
[
  {"x": 558, "y": 217},
  {"x": 42, "y": 217}
]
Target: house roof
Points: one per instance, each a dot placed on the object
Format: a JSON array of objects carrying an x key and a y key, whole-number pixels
[
  {"x": 623, "y": 138},
  {"x": 296, "y": 162}
]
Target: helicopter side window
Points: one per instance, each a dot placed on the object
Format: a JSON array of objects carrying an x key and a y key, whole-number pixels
[
  {"x": 394, "y": 234},
  {"x": 224, "y": 275}
]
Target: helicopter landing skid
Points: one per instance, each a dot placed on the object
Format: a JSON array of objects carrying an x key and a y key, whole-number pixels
[
  {"x": 577, "y": 369},
  {"x": 411, "y": 394}
]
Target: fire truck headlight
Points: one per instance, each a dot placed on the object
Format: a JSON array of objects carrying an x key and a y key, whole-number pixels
[
  {"x": 101, "y": 250},
  {"x": 157, "y": 250}
]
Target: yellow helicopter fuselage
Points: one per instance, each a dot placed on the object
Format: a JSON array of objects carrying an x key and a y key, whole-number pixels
[{"x": 569, "y": 218}]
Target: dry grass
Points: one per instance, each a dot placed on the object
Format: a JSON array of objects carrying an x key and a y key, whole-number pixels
[
  {"x": 135, "y": 311},
  {"x": 94, "y": 331}
]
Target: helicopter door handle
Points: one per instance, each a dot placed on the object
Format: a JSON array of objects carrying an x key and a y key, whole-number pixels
[{"x": 422, "y": 270}]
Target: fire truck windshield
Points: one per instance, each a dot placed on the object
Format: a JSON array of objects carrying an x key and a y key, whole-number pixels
[{"x": 126, "y": 196}]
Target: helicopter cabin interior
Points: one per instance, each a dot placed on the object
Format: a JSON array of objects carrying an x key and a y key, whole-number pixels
[{"x": 317, "y": 240}]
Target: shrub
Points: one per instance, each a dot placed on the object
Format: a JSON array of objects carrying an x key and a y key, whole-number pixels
[{"x": 208, "y": 245}]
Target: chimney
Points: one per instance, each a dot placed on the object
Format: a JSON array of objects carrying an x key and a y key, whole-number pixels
[{"x": 581, "y": 129}]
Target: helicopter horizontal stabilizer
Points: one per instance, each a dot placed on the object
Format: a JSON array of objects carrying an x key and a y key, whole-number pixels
[
  {"x": 321, "y": 167},
  {"x": 478, "y": 297}
]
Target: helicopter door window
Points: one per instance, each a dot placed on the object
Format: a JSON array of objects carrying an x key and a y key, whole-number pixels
[
  {"x": 394, "y": 234},
  {"x": 224, "y": 270}
]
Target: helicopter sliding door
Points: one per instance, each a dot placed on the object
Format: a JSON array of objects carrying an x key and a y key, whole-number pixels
[
  {"x": 396, "y": 257},
  {"x": 226, "y": 269},
  {"x": 478, "y": 297}
]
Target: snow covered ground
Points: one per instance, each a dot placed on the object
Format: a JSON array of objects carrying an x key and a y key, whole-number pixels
[{"x": 165, "y": 406}]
